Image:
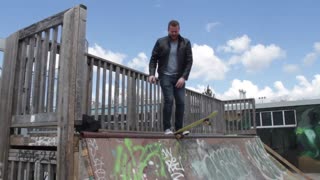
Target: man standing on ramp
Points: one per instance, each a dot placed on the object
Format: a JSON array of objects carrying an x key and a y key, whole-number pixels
[{"x": 173, "y": 56}]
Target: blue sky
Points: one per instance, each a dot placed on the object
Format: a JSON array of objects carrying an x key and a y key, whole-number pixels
[{"x": 268, "y": 48}]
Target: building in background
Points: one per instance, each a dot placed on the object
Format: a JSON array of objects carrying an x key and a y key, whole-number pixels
[{"x": 292, "y": 129}]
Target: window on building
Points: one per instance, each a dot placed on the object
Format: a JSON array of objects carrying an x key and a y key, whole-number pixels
[
  {"x": 266, "y": 118},
  {"x": 277, "y": 118},
  {"x": 258, "y": 119},
  {"x": 289, "y": 117}
]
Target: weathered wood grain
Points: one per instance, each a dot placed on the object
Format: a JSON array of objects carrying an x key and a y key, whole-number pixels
[
  {"x": 7, "y": 83},
  {"x": 73, "y": 40}
]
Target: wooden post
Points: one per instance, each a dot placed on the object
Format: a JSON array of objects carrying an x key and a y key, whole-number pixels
[
  {"x": 6, "y": 98},
  {"x": 71, "y": 82},
  {"x": 2, "y": 44}
]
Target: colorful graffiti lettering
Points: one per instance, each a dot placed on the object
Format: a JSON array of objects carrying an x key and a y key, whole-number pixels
[
  {"x": 221, "y": 163},
  {"x": 97, "y": 161},
  {"x": 174, "y": 167},
  {"x": 308, "y": 133},
  {"x": 262, "y": 161},
  {"x": 132, "y": 160}
]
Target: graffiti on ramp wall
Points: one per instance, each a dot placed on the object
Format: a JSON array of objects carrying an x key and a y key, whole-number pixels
[{"x": 206, "y": 158}]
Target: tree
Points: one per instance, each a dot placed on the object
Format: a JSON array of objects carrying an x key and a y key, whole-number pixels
[{"x": 207, "y": 91}]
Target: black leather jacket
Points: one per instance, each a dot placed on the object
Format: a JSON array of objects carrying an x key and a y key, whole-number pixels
[{"x": 160, "y": 56}]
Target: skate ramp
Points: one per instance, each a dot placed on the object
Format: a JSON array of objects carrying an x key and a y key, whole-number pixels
[{"x": 155, "y": 156}]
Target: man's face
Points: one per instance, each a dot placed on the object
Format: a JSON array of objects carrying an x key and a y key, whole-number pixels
[{"x": 173, "y": 32}]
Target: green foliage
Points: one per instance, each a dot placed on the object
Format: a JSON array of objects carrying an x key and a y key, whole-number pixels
[{"x": 207, "y": 91}]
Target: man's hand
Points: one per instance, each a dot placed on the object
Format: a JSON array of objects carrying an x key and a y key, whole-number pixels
[
  {"x": 180, "y": 82},
  {"x": 152, "y": 79}
]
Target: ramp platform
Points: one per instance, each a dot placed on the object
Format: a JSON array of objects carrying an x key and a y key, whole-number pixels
[{"x": 115, "y": 155}]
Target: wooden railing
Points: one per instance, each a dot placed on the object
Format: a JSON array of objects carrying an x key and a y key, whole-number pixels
[
  {"x": 239, "y": 116},
  {"x": 121, "y": 98}
]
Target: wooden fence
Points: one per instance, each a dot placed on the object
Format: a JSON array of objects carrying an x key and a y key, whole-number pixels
[
  {"x": 39, "y": 90},
  {"x": 121, "y": 98},
  {"x": 49, "y": 82}
]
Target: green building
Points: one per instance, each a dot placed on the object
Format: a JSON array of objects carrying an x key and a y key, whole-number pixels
[{"x": 292, "y": 128}]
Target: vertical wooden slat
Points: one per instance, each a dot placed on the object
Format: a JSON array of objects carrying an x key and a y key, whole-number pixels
[
  {"x": 226, "y": 115},
  {"x": 110, "y": 95},
  {"x": 28, "y": 171},
  {"x": 73, "y": 42},
  {"x": 159, "y": 108},
  {"x": 253, "y": 115},
  {"x": 56, "y": 85},
  {"x": 116, "y": 99},
  {"x": 36, "y": 82},
  {"x": 187, "y": 109},
  {"x": 250, "y": 110},
  {"x": 207, "y": 105},
  {"x": 138, "y": 128},
  {"x": 36, "y": 170},
  {"x": 150, "y": 106},
  {"x": 123, "y": 81},
  {"x": 103, "y": 107},
  {"x": 20, "y": 170},
  {"x": 241, "y": 101},
  {"x": 21, "y": 75},
  {"x": 52, "y": 64},
  {"x": 12, "y": 170},
  {"x": 96, "y": 114},
  {"x": 28, "y": 79},
  {"x": 43, "y": 71},
  {"x": 154, "y": 106},
  {"x": 234, "y": 116},
  {"x": 134, "y": 102},
  {"x": 6, "y": 91},
  {"x": 212, "y": 128},
  {"x": 142, "y": 79},
  {"x": 90, "y": 79},
  {"x": 82, "y": 70},
  {"x": 147, "y": 108},
  {"x": 129, "y": 100},
  {"x": 161, "y": 112},
  {"x": 247, "y": 113},
  {"x": 50, "y": 174}
]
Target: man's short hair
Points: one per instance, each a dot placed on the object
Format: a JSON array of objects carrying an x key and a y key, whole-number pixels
[{"x": 173, "y": 23}]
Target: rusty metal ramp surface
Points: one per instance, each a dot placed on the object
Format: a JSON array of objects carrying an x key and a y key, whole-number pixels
[{"x": 155, "y": 156}]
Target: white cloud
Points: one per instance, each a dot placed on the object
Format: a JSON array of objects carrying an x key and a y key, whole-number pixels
[
  {"x": 211, "y": 25},
  {"x": 237, "y": 45},
  {"x": 107, "y": 54},
  {"x": 311, "y": 57},
  {"x": 304, "y": 89},
  {"x": 316, "y": 47},
  {"x": 206, "y": 65},
  {"x": 252, "y": 57},
  {"x": 260, "y": 57},
  {"x": 141, "y": 62},
  {"x": 290, "y": 68}
]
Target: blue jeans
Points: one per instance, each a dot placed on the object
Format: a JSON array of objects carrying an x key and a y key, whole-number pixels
[{"x": 169, "y": 91}]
